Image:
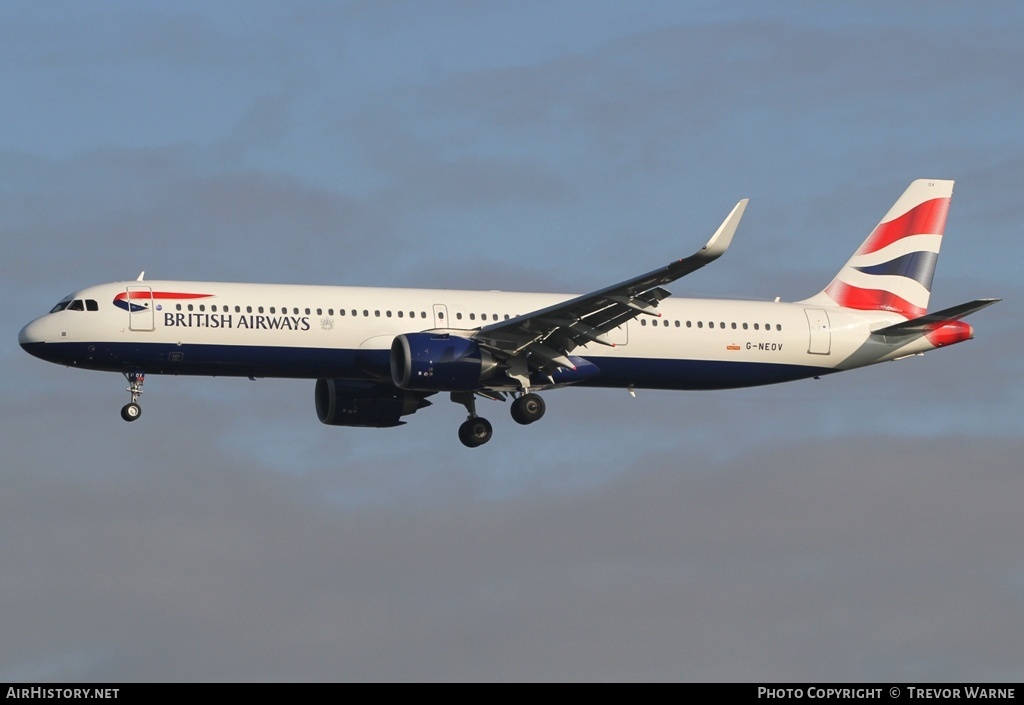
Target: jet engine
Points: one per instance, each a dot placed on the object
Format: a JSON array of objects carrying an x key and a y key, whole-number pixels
[
  {"x": 342, "y": 402},
  {"x": 439, "y": 362}
]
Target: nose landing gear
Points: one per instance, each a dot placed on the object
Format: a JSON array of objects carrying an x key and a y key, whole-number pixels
[{"x": 132, "y": 410}]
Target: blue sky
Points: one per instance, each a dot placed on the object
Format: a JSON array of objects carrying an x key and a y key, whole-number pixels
[{"x": 862, "y": 527}]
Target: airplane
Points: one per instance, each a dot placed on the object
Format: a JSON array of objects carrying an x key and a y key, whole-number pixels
[{"x": 378, "y": 354}]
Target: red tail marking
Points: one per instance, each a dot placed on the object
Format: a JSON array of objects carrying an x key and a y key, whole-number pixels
[
  {"x": 849, "y": 296},
  {"x": 925, "y": 218}
]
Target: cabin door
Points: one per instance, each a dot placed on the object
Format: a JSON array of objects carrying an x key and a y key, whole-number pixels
[
  {"x": 140, "y": 308},
  {"x": 820, "y": 334}
]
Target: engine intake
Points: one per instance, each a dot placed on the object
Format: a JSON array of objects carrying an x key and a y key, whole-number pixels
[{"x": 439, "y": 362}]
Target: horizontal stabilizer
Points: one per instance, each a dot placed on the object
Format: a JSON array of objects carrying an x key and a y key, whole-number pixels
[{"x": 922, "y": 324}]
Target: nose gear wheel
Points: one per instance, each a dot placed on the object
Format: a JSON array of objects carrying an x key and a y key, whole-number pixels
[{"x": 132, "y": 410}]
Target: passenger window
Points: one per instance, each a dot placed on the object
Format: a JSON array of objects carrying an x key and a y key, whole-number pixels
[
  {"x": 744, "y": 326},
  {"x": 458, "y": 316},
  {"x": 734, "y": 326},
  {"x": 472, "y": 316},
  {"x": 755, "y": 327},
  {"x": 388, "y": 313},
  {"x": 778, "y": 326},
  {"x": 643, "y": 321},
  {"x": 177, "y": 307},
  {"x": 401, "y": 314},
  {"x": 440, "y": 315},
  {"x": 689, "y": 324},
  {"x": 189, "y": 307},
  {"x": 377, "y": 313},
  {"x": 423, "y": 314},
  {"x": 700, "y": 324}
]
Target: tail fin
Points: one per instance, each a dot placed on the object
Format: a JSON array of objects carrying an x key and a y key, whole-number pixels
[{"x": 893, "y": 269}]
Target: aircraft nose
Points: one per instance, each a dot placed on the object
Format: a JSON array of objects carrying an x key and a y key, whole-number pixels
[
  {"x": 42, "y": 338},
  {"x": 32, "y": 336},
  {"x": 28, "y": 334}
]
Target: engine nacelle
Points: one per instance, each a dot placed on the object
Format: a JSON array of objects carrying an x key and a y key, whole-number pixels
[
  {"x": 341, "y": 402},
  {"x": 439, "y": 362}
]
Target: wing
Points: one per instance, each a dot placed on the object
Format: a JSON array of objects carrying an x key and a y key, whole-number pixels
[{"x": 545, "y": 338}]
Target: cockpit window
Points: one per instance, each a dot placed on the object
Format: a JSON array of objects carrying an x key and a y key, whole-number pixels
[{"x": 76, "y": 305}]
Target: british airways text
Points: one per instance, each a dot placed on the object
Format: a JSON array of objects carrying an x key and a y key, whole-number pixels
[{"x": 227, "y": 320}]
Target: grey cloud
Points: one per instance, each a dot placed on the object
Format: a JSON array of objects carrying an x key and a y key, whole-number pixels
[{"x": 679, "y": 569}]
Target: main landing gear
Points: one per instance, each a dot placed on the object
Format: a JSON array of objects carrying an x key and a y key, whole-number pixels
[
  {"x": 132, "y": 410},
  {"x": 528, "y": 408},
  {"x": 476, "y": 430}
]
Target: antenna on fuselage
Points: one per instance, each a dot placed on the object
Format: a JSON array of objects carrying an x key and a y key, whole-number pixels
[{"x": 142, "y": 275}]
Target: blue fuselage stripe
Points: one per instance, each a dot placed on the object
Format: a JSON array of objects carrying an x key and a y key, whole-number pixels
[{"x": 313, "y": 363}]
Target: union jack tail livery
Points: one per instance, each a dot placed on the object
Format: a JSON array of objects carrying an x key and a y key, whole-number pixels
[{"x": 892, "y": 271}]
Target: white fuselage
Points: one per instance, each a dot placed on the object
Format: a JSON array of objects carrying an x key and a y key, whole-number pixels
[
  {"x": 377, "y": 354},
  {"x": 271, "y": 330}
]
